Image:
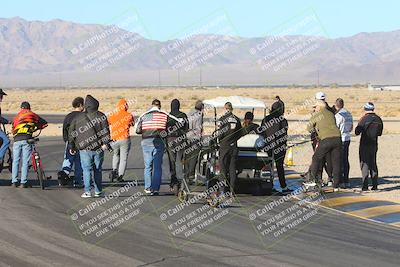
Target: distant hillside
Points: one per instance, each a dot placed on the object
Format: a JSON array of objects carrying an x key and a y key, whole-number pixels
[{"x": 35, "y": 53}]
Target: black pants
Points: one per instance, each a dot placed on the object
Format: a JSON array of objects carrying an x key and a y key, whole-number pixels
[
  {"x": 227, "y": 163},
  {"x": 327, "y": 163},
  {"x": 329, "y": 145},
  {"x": 345, "y": 162},
  {"x": 191, "y": 154},
  {"x": 175, "y": 153},
  {"x": 279, "y": 159},
  {"x": 368, "y": 164}
]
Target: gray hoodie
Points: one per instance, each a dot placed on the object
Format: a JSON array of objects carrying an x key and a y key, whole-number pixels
[{"x": 195, "y": 119}]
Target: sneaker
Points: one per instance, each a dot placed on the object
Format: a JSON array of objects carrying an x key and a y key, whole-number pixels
[
  {"x": 113, "y": 175},
  {"x": 329, "y": 183},
  {"x": 309, "y": 184},
  {"x": 336, "y": 189},
  {"x": 375, "y": 188},
  {"x": 286, "y": 190},
  {"x": 25, "y": 185},
  {"x": 86, "y": 195},
  {"x": 155, "y": 193},
  {"x": 147, "y": 190},
  {"x": 120, "y": 179},
  {"x": 98, "y": 194},
  {"x": 274, "y": 191}
]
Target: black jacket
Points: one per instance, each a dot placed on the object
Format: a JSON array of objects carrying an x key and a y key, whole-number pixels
[
  {"x": 89, "y": 130},
  {"x": 251, "y": 128},
  {"x": 275, "y": 129},
  {"x": 175, "y": 128},
  {"x": 370, "y": 127},
  {"x": 67, "y": 122},
  {"x": 229, "y": 130}
]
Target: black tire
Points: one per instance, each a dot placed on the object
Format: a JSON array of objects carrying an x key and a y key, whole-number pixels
[{"x": 41, "y": 177}]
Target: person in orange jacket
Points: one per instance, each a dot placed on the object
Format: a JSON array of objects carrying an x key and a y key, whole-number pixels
[{"x": 120, "y": 120}]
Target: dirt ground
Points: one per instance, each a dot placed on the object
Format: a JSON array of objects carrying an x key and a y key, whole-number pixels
[
  {"x": 59, "y": 100},
  {"x": 53, "y": 101}
]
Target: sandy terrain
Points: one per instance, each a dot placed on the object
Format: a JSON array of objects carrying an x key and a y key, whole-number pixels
[{"x": 58, "y": 101}]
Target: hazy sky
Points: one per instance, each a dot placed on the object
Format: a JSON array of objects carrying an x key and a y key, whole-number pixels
[{"x": 163, "y": 19}]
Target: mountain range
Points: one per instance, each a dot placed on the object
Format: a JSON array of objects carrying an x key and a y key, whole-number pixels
[{"x": 62, "y": 53}]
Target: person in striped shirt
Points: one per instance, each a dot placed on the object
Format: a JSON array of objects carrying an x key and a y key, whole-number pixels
[{"x": 152, "y": 125}]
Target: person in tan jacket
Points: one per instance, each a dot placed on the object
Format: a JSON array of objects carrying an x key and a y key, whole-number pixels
[{"x": 324, "y": 123}]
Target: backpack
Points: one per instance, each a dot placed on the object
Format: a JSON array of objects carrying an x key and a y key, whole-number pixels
[{"x": 373, "y": 129}]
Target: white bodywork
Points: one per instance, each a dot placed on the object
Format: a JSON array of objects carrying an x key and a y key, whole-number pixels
[{"x": 238, "y": 102}]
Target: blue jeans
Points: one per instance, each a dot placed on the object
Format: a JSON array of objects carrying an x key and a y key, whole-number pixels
[
  {"x": 68, "y": 163},
  {"x": 21, "y": 151},
  {"x": 5, "y": 145},
  {"x": 92, "y": 162},
  {"x": 153, "y": 151}
]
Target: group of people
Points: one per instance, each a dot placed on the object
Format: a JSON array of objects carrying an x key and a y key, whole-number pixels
[
  {"x": 331, "y": 129},
  {"x": 88, "y": 133}
]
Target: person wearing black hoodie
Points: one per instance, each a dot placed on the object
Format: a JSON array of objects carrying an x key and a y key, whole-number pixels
[
  {"x": 370, "y": 127},
  {"x": 176, "y": 141},
  {"x": 275, "y": 127},
  {"x": 90, "y": 134}
]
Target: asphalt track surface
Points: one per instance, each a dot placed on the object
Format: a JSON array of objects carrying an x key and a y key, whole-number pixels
[{"x": 37, "y": 229}]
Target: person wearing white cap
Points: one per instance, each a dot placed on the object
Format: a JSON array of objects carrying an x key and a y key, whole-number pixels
[
  {"x": 324, "y": 123},
  {"x": 370, "y": 127},
  {"x": 327, "y": 162},
  {"x": 322, "y": 96}
]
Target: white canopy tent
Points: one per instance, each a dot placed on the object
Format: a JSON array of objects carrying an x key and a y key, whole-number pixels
[{"x": 238, "y": 102}]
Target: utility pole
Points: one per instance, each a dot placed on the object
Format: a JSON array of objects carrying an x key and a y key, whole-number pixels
[
  {"x": 159, "y": 78},
  {"x": 179, "y": 78},
  {"x": 201, "y": 78},
  {"x": 317, "y": 77}
]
